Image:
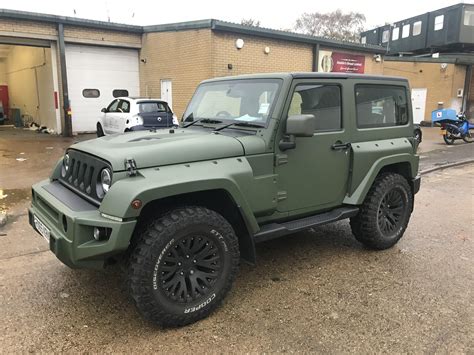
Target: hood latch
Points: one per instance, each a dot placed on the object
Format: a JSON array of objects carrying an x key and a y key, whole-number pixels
[{"x": 131, "y": 167}]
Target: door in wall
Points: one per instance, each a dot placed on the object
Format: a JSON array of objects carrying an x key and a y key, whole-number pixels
[
  {"x": 418, "y": 101},
  {"x": 166, "y": 92}
]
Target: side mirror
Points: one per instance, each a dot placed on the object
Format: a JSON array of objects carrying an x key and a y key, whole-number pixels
[
  {"x": 297, "y": 126},
  {"x": 104, "y": 110},
  {"x": 301, "y": 125}
]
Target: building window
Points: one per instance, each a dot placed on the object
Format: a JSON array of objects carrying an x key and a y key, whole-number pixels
[
  {"x": 468, "y": 18},
  {"x": 91, "y": 93},
  {"x": 385, "y": 36},
  {"x": 406, "y": 31},
  {"x": 120, "y": 93},
  {"x": 395, "y": 33},
  {"x": 381, "y": 106},
  {"x": 322, "y": 101},
  {"x": 417, "y": 28},
  {"x": 363, "y": 40},
  {"x": 439, "y": 22}
]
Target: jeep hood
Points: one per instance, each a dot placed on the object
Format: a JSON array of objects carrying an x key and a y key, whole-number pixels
[{"x": 160, "y": 148}]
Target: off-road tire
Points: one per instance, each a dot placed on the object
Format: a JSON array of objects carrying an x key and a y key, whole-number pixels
[
  {"x": 369, "y": 226},
  {"x": 163, "y": 246},
  {"x": 100, "y": 131}
]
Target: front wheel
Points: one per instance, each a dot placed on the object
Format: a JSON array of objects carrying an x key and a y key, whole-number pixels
[
  {"x": 183, "y": 265},
  {"x": 100, "y": 131},
  {"x": 469, "y": 137},
  {"x": 384, "y": 215}
]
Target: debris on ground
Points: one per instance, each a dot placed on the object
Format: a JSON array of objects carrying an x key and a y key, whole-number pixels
[{"x": 3, "y": 219}]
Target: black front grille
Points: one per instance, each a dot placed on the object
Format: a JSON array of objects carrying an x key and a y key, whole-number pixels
[{"x": 83, "y": 175}]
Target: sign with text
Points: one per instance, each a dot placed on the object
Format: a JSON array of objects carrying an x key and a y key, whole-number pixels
[{"x": 337, "y": 62}]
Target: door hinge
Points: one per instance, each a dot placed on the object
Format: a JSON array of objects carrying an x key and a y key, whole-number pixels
[
  {"x": 281, "y": 196},
  {"x": 281, "y": 159},
  {"x": 131, "y": 167}
]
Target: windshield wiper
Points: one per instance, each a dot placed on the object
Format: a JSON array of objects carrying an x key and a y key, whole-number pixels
[
  {"x": 203, "y": 120},
  {"x": 240, "y": 124}
]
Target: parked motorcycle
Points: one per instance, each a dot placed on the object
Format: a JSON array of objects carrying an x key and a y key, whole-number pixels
[{"x": 460, "y": 128}]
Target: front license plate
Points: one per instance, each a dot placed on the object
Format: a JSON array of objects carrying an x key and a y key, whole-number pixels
[
  {"x": 443, "y": 132},
  {"x": 41, "y": 228}
]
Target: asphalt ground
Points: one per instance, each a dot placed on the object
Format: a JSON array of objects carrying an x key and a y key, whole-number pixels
[{"x": 318, "y": 291}]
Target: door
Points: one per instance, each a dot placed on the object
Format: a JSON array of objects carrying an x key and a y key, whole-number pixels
[
  {"x": 314, "y": 175},
  {"x": 100, "y": 71},
  {"x": 418, "y": 99},
  {"x": 109, "y": 119},
  {"x": 166, "y": 92}
]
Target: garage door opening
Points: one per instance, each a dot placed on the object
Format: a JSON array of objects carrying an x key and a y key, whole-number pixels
[
  {"x": 96, "y": 76},
  {"x": 27, "y": 87}
]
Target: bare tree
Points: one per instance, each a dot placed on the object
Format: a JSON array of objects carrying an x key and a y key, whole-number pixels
[
  {"x": 334, "y": 25},
  {"x": 250, "y": 22}
]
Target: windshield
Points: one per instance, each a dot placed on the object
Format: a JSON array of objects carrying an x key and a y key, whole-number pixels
[{"x": 234, "y": 100}]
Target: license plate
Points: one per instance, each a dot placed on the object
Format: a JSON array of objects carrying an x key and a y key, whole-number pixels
[
  {"x": 41, "y": 228},
  {"x": 443, "y": 132}
]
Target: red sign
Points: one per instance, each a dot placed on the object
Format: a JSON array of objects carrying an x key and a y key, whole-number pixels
[{"x": 343, "y": 63}]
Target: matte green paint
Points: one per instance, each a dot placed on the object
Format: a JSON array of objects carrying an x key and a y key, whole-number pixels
[{"x": 266, "y": 183}]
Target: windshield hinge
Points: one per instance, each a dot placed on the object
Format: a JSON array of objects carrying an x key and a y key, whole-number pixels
[{"x": 131, "y": 167}]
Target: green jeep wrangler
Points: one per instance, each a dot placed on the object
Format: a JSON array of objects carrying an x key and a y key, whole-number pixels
[{"x": 256, "y": 157}]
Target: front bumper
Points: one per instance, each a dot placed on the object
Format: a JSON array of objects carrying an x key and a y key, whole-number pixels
[{"x": 71, "y": 221}]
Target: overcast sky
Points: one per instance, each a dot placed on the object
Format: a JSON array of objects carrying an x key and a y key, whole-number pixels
[{"x": 274, "y": 14}]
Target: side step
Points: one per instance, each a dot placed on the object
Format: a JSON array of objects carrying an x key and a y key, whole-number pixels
[{"x": 276, "y": 230}]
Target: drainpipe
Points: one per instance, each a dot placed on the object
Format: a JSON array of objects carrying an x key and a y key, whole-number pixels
[
  {"x": 467, "y": 88},
  {"x": 315, "y": 57},
  {"x": 67, "y": 132}
]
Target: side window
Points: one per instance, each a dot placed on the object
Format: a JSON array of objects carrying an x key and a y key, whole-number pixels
[
  {"x": 439, "y": 22},
  {"x": 417, "y": 28},
  {"x": 113, "y": 106},
  {"x": 385, "y": 36},
  {"x": 406, "y": 31},
  {"x": 323, "y": 101},
  {"x": 395, "y": 33},
  {"x": 124, "y": 106},
  {"x": 381, "y": 106}
]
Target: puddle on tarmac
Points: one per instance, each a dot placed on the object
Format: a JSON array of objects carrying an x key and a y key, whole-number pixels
[{"x": 11, "y": 197}]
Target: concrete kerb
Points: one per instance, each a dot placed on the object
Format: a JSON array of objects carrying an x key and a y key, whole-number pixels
[{"x": 445, "y": 166}]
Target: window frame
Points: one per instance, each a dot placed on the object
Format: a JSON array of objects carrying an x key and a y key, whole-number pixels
[
  {"x": 405, "y": 32},
  {"x": 312, "y": 83},
  {"x": 387, "y": 39},
  {"x": 415, "y": 25},
  {"x": 467, "y": 14},
  {"x": 437, "y": 23},
  {"x": 395, "y": 30},
  {"x": 90, "y": 97},
  {"x": 363, "y": 40},
  {"x": 409, "y": 114}
]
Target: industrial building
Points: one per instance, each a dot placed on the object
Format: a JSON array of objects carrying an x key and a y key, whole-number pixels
[
  {"x": 60, "y": 71},
  {"x": 435, "y": 51}
]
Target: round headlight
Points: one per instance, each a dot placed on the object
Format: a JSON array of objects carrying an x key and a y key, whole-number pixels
[
  {"x": 105, "y": 179},
  {"x": 66, "y": 164}
]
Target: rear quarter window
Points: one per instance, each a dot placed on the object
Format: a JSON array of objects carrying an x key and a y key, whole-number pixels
[{"x": 381, "y": 106}]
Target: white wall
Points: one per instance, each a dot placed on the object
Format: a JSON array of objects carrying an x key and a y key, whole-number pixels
[{"x": 30, "y": 83}]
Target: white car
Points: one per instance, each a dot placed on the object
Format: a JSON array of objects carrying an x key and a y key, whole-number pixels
[{"x": 126, "y": 114}]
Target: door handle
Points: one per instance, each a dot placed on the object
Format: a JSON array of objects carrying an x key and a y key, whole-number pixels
[{"x": 340, "y": 146}]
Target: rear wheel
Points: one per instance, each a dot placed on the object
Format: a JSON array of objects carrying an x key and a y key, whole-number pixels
[
  {"x": 469, "y": 137},
  {"x": 100, "y": 131},
  {"x": 183, "y": 265},
  {"x": 384, "y": 215}
]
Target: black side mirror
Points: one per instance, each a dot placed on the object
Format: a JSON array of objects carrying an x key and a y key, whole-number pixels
[{"x": 104, "y": 110}]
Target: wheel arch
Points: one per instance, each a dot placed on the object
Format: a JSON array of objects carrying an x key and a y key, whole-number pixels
[{"x": 218, "y": 200}]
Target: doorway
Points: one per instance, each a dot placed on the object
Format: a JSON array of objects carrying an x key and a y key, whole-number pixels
[
  {"x": 418, "y": 99},
  {"x": 166, "y": 92}
]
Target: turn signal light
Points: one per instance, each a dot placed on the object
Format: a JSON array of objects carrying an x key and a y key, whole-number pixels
[{"x": 136, "y": 204}]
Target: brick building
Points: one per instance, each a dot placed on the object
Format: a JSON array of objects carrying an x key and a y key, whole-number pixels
[{"x": 73, "y": 67}]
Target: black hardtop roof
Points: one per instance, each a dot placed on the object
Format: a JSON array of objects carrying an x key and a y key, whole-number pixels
[{"x": 310, "y": 75}]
